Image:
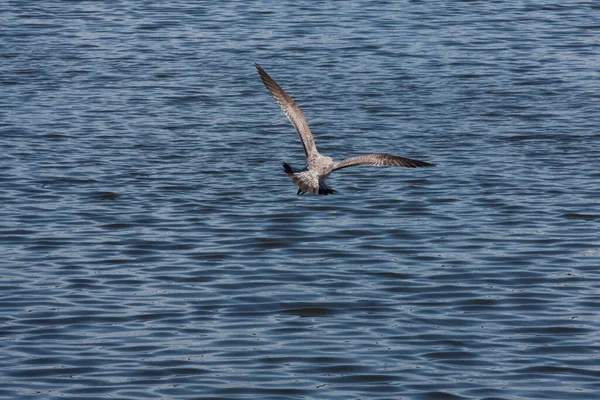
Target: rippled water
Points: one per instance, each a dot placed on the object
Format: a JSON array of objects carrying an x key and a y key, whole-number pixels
[{"x": 153, "y": 248}]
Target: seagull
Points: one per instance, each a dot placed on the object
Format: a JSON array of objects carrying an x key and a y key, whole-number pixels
[{"x": 311, "y": 178}]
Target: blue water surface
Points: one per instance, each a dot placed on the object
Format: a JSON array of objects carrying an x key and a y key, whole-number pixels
[{"x": 152, "y": 247}]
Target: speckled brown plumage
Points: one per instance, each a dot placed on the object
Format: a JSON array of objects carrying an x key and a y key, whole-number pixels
[{"x": 311, "y": 179}]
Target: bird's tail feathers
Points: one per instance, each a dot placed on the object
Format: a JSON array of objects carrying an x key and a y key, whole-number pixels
[
  {"x": 288, "y": 168},
  {"x": 324, "y": 189}
]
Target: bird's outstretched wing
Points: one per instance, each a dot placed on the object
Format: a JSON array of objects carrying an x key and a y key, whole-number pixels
[
  {"x": 381, "y": 160},
  {"x": 292, "y": 111}
]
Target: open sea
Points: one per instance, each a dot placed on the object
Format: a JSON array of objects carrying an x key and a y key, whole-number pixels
[{"x": 151, "y": 246}]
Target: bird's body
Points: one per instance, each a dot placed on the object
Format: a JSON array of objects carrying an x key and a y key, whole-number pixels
[{"x": 311, "y": 179}]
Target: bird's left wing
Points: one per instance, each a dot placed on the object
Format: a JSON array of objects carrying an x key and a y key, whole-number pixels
[{"x": 292, "y": 111}]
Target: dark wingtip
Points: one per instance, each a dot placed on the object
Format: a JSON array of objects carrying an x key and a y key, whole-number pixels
[{"x": 423, "y": 164}]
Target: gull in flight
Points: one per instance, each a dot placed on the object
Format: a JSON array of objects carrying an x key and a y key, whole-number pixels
[{"x": 311, "y": 179}]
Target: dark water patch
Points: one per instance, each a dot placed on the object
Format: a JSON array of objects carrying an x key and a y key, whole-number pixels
[
  {"x": 582, "y": 216},
  {"x": 310, "y": 312},
  {"x": 439, "y": 395},
  {"x": 49, "y": 372},
  {"x": 105, "y": 195}
]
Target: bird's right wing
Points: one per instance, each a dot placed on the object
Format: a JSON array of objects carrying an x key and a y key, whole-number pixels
[
  {"x": 292, "y": 111},
  {"x": 381, "y": 160}
]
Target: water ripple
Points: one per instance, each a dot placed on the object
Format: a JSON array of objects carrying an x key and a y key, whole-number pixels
[{"x": 153, "y": 248}]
